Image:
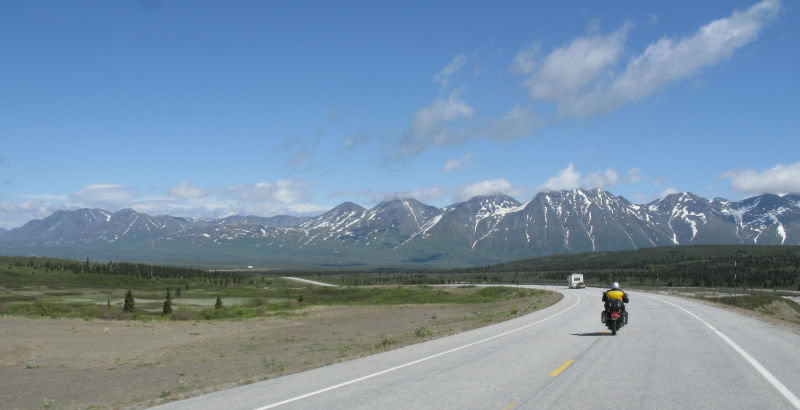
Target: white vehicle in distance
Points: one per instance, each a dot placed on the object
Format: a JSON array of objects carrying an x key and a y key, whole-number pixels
[{"x": 575, "y": 281}]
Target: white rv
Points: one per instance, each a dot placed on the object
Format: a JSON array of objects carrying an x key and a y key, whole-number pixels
[{"x": 575, "y": 281}]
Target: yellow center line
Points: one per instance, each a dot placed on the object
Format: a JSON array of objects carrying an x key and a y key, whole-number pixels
[
  {"x": 561, "y": 368},
  {"x": 510, "y": 406}
]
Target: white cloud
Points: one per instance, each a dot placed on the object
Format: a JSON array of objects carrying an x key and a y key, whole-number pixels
[
  {"x": 430, "y": 121},
  {"x": 103, "y": 194},
  {"x": 668, "y": 191},
  {"x": 431, "y": 126},
  {"x": 437, "y": 125},
  {"x": 285, "y": 191},
  {"x": 205, "y": 207},
  {"x": 664, "y": 61},
  {"x": 567, "y": 178},
  {"x": 424, "y": 195},
  {"x": 457, "y": 163},
  {"x": 778, "y": 179},
  {"x": 519, "y": 122},
  {"x": 185, "y": 190},
  {"x": 570, "y": 178},
  {"x": 264, "y": 199},
  {"x": 16, "y": 213},
  {"x": 634, "y": 175},
  {"x": 488, "y": 187},
  {"x": 443, "y": 76},
  {"x": 567, "y": 70},
  {"x": 608, "y": 177},
  {"x": 525, "y": 60}
]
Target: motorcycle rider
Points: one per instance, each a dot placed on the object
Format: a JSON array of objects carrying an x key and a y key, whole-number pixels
[{"x": 616, "y": 293}]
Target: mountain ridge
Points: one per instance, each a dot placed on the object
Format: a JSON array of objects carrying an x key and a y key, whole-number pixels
[{"x": 480, "y": 230}]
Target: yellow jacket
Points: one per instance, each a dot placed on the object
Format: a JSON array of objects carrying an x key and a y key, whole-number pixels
[{"x": 615, "y": 294}]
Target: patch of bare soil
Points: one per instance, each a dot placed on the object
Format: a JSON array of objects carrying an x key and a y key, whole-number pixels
[
  {"x": 782, "y": 311},
  {"x": 79, "y": 364}
]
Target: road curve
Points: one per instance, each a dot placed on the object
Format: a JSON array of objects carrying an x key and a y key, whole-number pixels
[
  {"x": 310, "y": 282},
  {"x": 675, "y": 353}
]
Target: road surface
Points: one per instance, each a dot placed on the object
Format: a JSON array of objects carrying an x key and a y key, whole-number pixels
[
  {"x": 674, "y": 353},
  {"x": 308, "y": 281}
]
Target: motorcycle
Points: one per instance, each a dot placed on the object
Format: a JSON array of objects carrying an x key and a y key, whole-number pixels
[{"x": 614, "y": 316}]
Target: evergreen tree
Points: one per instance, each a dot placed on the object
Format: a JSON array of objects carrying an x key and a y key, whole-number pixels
[
  {"x": 178, "y": 292},
  {"x": 218, "y": 304},
  {"x": 167, "y": 308},
  {"x": 130, "y": 304}
]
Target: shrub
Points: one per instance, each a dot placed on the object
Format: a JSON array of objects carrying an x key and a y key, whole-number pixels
[
  {"x": 130, "y": 304},
  {"x": 386, "y": 341},
  {"x": 167, "y": 307},
  {"x": 423, "y": 332},
  {"x": 222, "y": 312},
  {"x": 218, "y": 303}
]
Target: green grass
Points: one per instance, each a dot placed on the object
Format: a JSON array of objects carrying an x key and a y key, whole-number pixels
[
  {"x": 32, "y": 291},
  {"x": 404, "y": 295},
  {"x": 16, "y": 298},
  {"x": 25, "y": 276},
  {"x": 63, "y": 310}
]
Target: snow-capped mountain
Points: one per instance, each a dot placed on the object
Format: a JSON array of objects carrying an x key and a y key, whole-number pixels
[
  {"x": 765, "y": 219},
  {"x": 386, "y": 225},
  {"x": 484, "y": 229}
]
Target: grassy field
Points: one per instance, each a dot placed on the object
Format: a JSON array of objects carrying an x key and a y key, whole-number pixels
[
  {"x": 34, "y": 292},
  {"x": 67, "y": 343}
]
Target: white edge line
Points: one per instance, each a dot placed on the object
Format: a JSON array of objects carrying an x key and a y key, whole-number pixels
[
  {"x": 750, "y": 359},
  {"x": 369, "y": 376}
]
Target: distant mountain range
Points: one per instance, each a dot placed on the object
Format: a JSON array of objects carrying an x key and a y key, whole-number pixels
[{"x": 482, "y": 230}]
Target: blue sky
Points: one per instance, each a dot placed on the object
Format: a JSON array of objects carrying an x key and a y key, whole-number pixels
[{"x": 199, "y": 108}]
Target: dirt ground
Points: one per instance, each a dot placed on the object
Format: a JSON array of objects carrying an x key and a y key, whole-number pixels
[{"x": 96, "y": 364}]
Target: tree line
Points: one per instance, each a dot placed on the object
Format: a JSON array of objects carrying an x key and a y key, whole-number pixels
[
  {"x": 702, "y": 265},
  {"x": 138, "y": 270}
]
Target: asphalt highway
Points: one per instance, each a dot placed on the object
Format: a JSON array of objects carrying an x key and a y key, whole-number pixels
[{"x": 674, "y": 353}]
